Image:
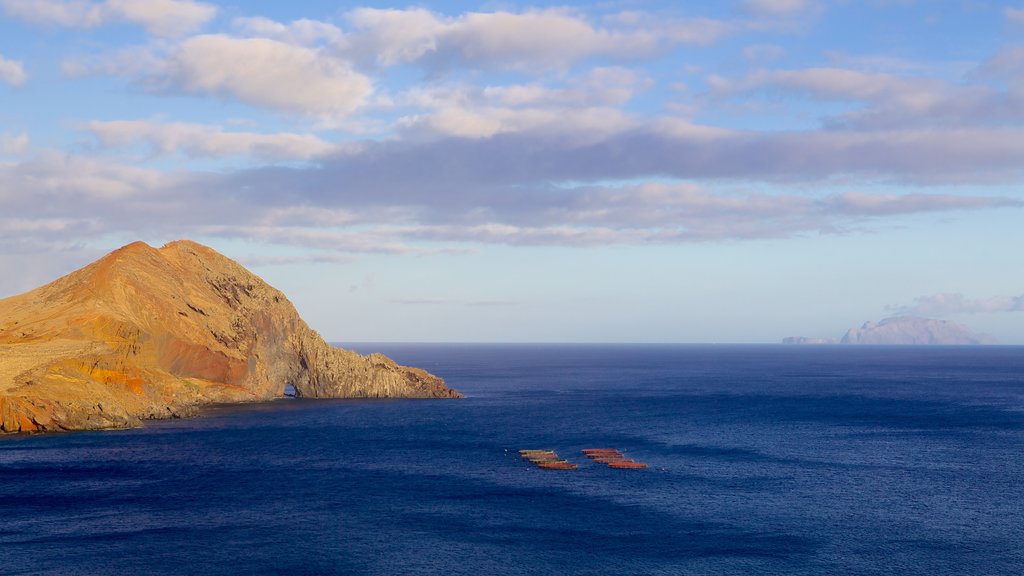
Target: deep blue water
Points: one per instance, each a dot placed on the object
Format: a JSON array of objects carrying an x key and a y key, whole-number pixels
[{"x": 764, "y": 460}]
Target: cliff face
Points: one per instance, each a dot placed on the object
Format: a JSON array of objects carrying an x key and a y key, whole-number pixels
[
  {"x": 913, "y": 330},
  {"x": 152, "y": 333}
]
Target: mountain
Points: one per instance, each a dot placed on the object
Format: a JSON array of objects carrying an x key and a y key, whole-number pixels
[
  {"x": 147, "y": 333},
  {"x": 914, "y": 330}
]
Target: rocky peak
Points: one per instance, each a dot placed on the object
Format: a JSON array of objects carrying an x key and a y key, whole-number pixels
[{"x": 150, "y": 333}]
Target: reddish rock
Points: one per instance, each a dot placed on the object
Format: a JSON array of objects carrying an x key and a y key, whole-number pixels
[{"x": 152, "y": 333}]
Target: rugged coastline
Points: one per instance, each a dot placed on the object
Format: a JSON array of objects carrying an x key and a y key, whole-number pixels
[{"x": 147, "y": 333}]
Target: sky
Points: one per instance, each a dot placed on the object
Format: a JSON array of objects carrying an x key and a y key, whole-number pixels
[{"x": 617, "y": 171}]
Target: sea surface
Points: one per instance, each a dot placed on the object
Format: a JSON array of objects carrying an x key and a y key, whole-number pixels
[{"x": 763, "y": 460}]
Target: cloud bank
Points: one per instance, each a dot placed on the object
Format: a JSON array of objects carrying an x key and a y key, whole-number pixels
[
  {"x": 415, "y": 131},
  {"x": 949, "y": 304},
  {"x": 531, "y": 40},
  {"x": 204, "y": 141}
]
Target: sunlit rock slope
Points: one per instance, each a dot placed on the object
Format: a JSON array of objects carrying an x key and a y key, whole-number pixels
[{"x": 152, "y": 333}]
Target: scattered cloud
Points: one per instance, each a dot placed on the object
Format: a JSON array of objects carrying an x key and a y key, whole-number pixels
[
  {"x": 1014, "y": 15},
  {"x": 165, "y": 18},
  {"x": 529, "y": 41},
  {"x": 29, "y": 187},
  {"x": 585, "y": 107},
  {"x": 12, "y": 72},
  {"x": 204, "y": 141},
  {"x": 70, "y": 13},
  {"x": 13, "y": 143},
  {"x": 380, "y": 239},
  {"x": 778, "y": 7},
  {"x": 949, "y": 304},
  {"x": 304, "y": 31},
  {"x": 601, "y": 86},
  {"x": 889, "y": 100},
  {"x": 59, "y": 197},
  {"x": 1006, "y": 64},
  {"x": 667, "y": 148},
  {"x": 263, "y": 72},
  {"x": 861, "y": 204},
  {"x": 570, "y": 148}
]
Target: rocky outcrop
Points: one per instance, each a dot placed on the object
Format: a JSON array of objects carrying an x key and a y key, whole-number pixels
[
  {"x": 149, "y": 333},
  {"x": 808, "y": 341},
  {"x": 907, "y": 330}
]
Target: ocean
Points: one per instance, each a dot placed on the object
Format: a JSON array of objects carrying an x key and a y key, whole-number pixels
[{"x": 762, "y": 460}]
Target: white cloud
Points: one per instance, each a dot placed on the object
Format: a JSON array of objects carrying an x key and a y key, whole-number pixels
[
  {"x": 778, "y": 6},
  {"x": 204, "y": 141},
  {"x": 376, "y": 201},
  {"x": 71, "y": 13},
  {"x": 836, "y": 83},
  {"x": 13, "y": 143},
  {"x": 949, "y": 304},
  {"x": 57, "y": 177},
  {"x": 393, "y": 36},
  {"x": 304, "y": 31},
  {"x": 873, "y": 205},
  {"x": 890, "y": 100},
  {"x": 584, "y": 106},
  {"x": 576, "y": 125},
  {"x": 166, "y": 18},
  {"x": 534, "y": 40},
  {"x": 364, "y": 240},
  {"x": 12, "y": 72},
  {"x": 535, "y": 146},
  {"x": 600, "y": 86},
  {"x": 1007, "y": 63},
  {"x": 163, "y": 17},
  {"x": 265, "y": 73},
  {"x": 1014, "y": 15}
]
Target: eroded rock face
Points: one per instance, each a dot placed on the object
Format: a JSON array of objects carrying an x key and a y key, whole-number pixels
[
  {"x": 912, "y": 330},
  {"x": 152, "y": 333}
]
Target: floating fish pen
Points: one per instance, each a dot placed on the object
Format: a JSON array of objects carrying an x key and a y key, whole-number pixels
[
  {"x": 557, "y": 465},
  {"x": 546, "y": 460},
  {"x": 627, "y": 464},
  {"x": 549, "y": 459},
  {"x": 612, "y": 458}
]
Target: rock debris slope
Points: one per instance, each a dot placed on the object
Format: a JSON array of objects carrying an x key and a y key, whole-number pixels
[{"x": 149, "y": 333}]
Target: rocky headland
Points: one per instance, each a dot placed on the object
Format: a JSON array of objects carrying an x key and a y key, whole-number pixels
[
  {"x": 147, "y": 333},
  {"x": 913, "y": 330}
]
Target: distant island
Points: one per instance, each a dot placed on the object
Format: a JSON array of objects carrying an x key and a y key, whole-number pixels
[
  {"x": 904, "y": 330},
  {"x": 914, "y": 330},
  {"x": 147, "y": 333},
  {"x": 807, "y": 341}
]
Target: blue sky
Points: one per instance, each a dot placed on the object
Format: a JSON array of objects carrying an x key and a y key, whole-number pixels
[{"x": 620, "y": 171}]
